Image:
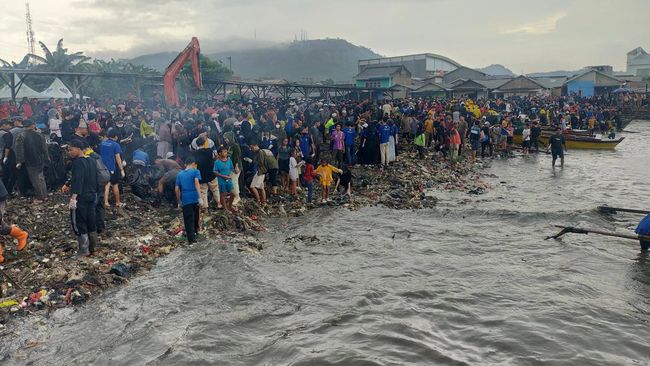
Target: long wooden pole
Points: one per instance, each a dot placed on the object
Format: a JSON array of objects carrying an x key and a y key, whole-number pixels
[
  {"x": 607, "y": 209},
  {"x": 575, "y": 230}
]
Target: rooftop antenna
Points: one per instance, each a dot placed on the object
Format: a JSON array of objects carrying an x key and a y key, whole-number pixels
[{"x": 30, "y": 34}]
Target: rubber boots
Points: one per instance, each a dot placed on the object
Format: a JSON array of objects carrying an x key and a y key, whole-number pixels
[
  {"x": 20, "y": 235},
  {"x": 83, "y": 246},
  {"x": 92, "y": 242}
]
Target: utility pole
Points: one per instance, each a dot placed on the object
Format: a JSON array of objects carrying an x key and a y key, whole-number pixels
[
  {"x": 30, "y": 34},
  {"x": 229, "y": 63}
]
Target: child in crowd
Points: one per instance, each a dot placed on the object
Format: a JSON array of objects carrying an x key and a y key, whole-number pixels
[
  {"x": 223, "y": 169},
  {"x": 326, "y": 171},
  {"x": 294, "y": 166},
  {"x": 420, "y": 140},
  {"x": 308, "y": 178}
]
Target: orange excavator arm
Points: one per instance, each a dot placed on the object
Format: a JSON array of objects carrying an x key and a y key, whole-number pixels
[{"x": 169, "y": 77}]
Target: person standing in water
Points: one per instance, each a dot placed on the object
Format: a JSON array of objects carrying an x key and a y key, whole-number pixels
[{"x": 557, "y": 146}]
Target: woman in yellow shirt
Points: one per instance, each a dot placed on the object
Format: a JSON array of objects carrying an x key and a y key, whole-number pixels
[{"x": 325, "y": 172}]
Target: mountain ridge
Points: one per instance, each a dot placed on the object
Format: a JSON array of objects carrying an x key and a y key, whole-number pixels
[{"x": 310, "y": 60}]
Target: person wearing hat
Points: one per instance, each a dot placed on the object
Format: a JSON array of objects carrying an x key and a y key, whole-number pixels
[
  {"x": 83, "y": 188},
  {"x": 31, "y": 151}
]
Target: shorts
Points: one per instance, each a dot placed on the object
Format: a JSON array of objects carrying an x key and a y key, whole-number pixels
[
  {"x": 284, "y": 165},
  {"x": 258, "y": 181},
  {"x": 475, "y": 145},
  {"x": 225, "y": 186},
  {"x": 509, "y": 140},
  {"x": 525, "y": 144},
  {"x": 273, "y": 177},
  {"x": 116, "y": 177},
  {"x": 557, "y": 153}
]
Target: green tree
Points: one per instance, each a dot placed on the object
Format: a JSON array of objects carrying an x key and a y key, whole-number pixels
[
  {"x": 113, "y": 87},
  {"x": 60, "y": 59},
  {"x": 21, "y": 65},
  {"x": 210, "y": 71}
]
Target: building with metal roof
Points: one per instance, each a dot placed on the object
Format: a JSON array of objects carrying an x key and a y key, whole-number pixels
[{"x": 424, "y": 65}]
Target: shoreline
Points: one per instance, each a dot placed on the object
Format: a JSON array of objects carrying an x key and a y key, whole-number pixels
[{"x": 139, "y": 234}]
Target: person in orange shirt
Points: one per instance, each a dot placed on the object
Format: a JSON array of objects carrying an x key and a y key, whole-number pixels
[
  {"x": 325, "y": 172},
  {"x": 454, "y": 143},
  {"x": 428, "y": 130}
]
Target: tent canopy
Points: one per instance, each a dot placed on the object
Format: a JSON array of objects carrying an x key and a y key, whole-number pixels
[
  {"x": 24, "y": 91},
  {"x": 57, "y": 90}
]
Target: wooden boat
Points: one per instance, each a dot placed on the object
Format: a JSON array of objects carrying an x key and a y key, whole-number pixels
[{"x": 577, "y": 142}]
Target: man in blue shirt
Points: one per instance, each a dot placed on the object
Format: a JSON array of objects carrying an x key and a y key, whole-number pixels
[
  {"x": 223, "y": 168},
  {"x": 188, "y": 197},
  {"x": 644, "y": 230},
  {"x": 350, "y": 135},
  {"x": 306, "y": 143},
  {"x": 109, "y": 151},
  {"x": 385, "y": 131}
]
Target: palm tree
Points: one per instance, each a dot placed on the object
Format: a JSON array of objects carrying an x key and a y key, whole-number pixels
[
  {"x": 21, "y": 65},
  {"x": 60, "y": 59}
]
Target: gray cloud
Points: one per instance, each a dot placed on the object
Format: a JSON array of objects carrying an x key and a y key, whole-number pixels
[{"x": 523, "y": 35}]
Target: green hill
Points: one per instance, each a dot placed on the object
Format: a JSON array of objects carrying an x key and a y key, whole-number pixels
[{"x": 315, "y": 60}]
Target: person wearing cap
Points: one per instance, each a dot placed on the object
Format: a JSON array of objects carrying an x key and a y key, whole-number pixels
[
  {"x": 31, "y": 151},
  {"x": 83, "y": 188}
]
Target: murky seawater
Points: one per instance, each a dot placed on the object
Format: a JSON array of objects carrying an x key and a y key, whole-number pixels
[{"x": 471, "y": 282}]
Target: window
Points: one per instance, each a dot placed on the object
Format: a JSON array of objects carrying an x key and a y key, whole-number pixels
[{"x": 373, "y": 84}]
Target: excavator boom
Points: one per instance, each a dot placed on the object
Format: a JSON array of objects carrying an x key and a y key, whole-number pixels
[{"x": 169, "y": 77}]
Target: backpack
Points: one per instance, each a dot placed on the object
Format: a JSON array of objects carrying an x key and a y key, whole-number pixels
[{"x": 103, "y": 175}]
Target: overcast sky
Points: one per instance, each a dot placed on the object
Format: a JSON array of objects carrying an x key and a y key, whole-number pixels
[{"x": 526, "y": 36}]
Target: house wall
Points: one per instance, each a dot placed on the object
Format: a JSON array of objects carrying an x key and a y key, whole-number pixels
[
  {"x": 383, "y": 83},
  {"x": 583, "y": 88}
]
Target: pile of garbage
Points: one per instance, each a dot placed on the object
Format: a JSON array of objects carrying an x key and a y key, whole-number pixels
[
  {"x": 48, "y": 276},
  {"x": 410, "y": 183}
]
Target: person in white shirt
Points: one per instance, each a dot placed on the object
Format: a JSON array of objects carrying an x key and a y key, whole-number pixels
[
  {"x": 525, "y": 134},
  {"x": 55, "y": 126}
]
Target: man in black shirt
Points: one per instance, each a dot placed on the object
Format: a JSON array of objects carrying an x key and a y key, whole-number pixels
[
  {"x": 557, "y": 145},
  {"x": 535, "y": 133},
  {"x": 31, "y": 151},
  {"x": 83, "y": 187}
]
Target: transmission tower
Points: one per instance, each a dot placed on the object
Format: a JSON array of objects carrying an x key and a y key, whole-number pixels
[{"x": 30, "y": 34}]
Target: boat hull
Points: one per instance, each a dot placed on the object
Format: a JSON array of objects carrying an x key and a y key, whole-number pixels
[{"x": 573, "y": 142}]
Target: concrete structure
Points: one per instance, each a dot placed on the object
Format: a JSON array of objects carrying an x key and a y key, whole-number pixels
[
  {"x": 383, "y": 77},
  {"x": 424, "y": 65},
  {"x": 638, "y": 62},
  {"x": 592, "y": 82}
]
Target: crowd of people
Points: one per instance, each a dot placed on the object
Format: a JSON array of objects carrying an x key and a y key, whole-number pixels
[{"x": 265, "y": 149}]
